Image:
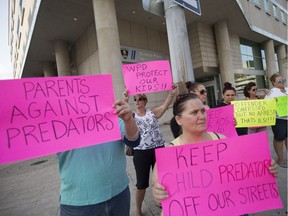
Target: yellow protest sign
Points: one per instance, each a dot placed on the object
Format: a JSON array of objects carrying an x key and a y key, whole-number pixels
[
  {"x": 250, "y": 113},
  {"x": 281, "y": 106}
]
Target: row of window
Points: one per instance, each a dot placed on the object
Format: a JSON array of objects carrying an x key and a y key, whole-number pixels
[
  {"x": 266, "y": 4},
  {"x": 253, "y": 56}
]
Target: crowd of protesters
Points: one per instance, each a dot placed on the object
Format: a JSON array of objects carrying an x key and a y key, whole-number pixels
[{"x": 100, "y": 186}]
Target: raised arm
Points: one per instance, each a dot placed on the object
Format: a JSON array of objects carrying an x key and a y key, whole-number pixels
[
  {"x": 266, "y": 93},
  {"x": 159, "y": 111},
  {"x": 122, "y": 109}
]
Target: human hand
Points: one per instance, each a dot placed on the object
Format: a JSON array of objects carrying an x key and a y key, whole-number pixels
[
  {"x": 274, "y": 169},
  {"x": 125, "y": 95},
  {"x": 159, "y": 193},
  {"x": 235, "y": 122},
  {"x": 267, "y": 92},
  {"x": 173, "y": 90},
  {"x": 123, "y": 110}
]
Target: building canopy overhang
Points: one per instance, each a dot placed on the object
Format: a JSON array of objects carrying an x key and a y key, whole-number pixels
[{"x": 67, "y": 20}]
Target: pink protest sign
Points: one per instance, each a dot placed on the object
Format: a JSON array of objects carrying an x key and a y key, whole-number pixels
[
  {"x": 42, "y": 116},
  {"x": 221, "y": 177},
  {"x": 221, "y": 120},
  {"x": 147, "y": 77}
]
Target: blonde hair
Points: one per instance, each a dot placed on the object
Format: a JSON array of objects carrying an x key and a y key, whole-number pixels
[
  {"x": 142, "y": 96},
  {"x": 273, "y": 77}
]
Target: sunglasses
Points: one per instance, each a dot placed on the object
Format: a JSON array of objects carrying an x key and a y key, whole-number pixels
[
  {"x": 203, "y": 91},
  {"x": 254, "y": 89},
  {"x": 139, "y": 99},
  {"x": 281, "y": 81}
]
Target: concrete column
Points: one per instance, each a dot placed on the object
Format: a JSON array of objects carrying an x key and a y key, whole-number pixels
[
  {"x": 62, "y": 58},
  {"x": 270, "y": 59},
  {"x": 180, "y": 55},
  {"x": 224, "y": 52},
  {"x": 282, "y": 60},
  {"x": 48, "y": 69},
  {"x": 109, "y": 42}
]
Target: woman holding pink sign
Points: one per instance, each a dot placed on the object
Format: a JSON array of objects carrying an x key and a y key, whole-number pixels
[
  {"x": 151, "y": 138},
  {"x": 190, "y": 114},
  {"x": 194, "y": 88}
]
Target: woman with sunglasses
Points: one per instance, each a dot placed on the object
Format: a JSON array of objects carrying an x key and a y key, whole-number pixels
[
  {"x": 250, "y": 93},
  {"x": 280, "y": 128},
  {"x": 190, "y": 114},
  {"x": 229, "y": 94},
  {"x": 151, "y": 138},
  {"x": 197, "y": 89}
]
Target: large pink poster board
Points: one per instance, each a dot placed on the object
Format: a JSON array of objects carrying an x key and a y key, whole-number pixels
[
  {"x": 221, "y": 120},
  {"x": 221, "y": 177},
  {"x": 42, "y": 116},
  {"x": 146, "y": 77}
]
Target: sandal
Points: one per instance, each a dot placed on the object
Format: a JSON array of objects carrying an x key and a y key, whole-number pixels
[{"x": 283, "y": 165}]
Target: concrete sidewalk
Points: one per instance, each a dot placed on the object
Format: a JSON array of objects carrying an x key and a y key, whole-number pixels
[{"x": 31, "y": 188}]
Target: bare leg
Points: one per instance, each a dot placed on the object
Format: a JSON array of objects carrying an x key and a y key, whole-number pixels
[
  {"x": 278, "y": 147},
  {"x": 286, "y": 148},
  {"x": 140, "y": 194}
]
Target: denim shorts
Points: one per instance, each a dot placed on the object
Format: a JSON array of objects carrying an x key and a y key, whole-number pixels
[{"x": 116, "y": 206}]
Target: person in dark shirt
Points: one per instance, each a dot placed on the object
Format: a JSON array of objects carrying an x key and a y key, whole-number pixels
[{"x": 229, "y": 94}]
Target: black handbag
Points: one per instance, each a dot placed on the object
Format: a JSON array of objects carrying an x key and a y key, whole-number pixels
[{"x": 129, "y": 151}]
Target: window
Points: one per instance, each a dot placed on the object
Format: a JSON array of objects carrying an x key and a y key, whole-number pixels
[
  {"x": 251, "y": 55},
  {"x": 263, "y": 60},
  {"x": 283, "y": 17},
  {"x": 19, "y": 40},
  {"x": 266, "y": 6},
  {"x": 18, "y": 26},
  {"x": 275, "y": 12},
  {"x": 21, "y": 3},
  {"x": 242, "y": 79},
  {"x": 22, "y": 19},
  {"x": 276, "y": 62},
  {"x": 256, "y": 2},
  {"x": 247, "y": 57}
]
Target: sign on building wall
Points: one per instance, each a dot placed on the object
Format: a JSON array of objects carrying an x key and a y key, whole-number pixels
[
  {"x": 191, "y": 5},
  {"x": 129, "y": 54}
]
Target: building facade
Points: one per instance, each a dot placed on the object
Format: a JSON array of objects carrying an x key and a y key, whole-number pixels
[{"x": 233, "y": 40}]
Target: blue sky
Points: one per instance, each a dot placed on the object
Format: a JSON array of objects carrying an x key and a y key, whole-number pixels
[{"x": 5, "y": 61}]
